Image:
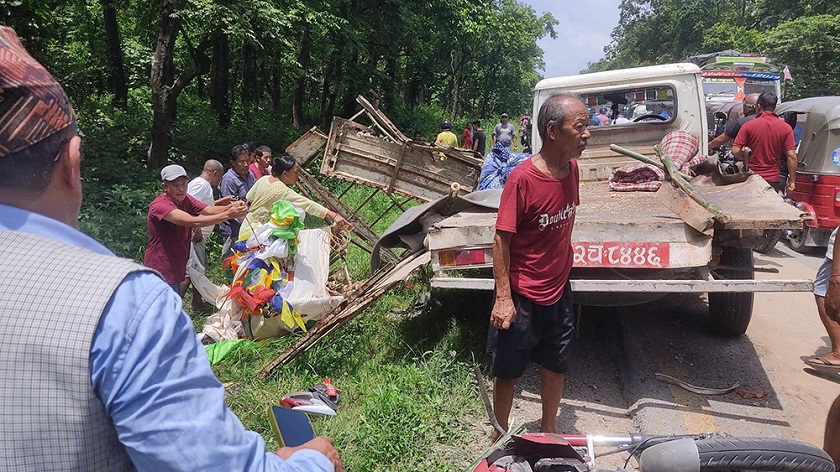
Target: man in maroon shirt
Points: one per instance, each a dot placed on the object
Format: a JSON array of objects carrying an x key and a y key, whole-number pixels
[
  {"x": 172, "y": 216},
  {"x": 769, "y": 138},
  {"x": 532, "y": 318}
]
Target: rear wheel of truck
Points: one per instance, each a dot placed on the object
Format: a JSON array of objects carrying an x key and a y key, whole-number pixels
[
  {"x": 772, "y": 236},
  {"x": 729, "y": 312}
]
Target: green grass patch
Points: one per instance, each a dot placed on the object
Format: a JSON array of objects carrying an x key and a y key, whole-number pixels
[
  {"x": 408, "y": 394},
  {"x": 409, "y": 398}
]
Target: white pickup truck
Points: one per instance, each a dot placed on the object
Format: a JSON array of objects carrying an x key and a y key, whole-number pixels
[{"x": 628, "y": 247}]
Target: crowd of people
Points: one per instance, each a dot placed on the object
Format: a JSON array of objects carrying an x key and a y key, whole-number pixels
[
  {"x": 474, "y": 138},
  {"x": 115, "y": 378},
  {"x": 102, "y": 369},
  {"x": 183, "y": 216}
]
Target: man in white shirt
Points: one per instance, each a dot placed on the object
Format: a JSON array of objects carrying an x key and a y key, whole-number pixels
[
  {"x": 201, "y": 188},
  {"x": 825, "y": 274}
]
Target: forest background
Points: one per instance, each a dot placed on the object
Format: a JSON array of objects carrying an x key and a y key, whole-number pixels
[{"x": 181, "y": 81}]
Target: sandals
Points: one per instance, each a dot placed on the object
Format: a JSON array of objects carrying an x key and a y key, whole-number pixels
[{"x": 823, "y": 364}]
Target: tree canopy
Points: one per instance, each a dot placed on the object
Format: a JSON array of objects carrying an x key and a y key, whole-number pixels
[
  {"x": 801, "y": 34},
  {"x": 303, "y": 60}
]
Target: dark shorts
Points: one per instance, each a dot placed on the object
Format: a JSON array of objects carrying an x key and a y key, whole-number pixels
[
  {"x": 779, "y": 187},
  {"x": 538, "y": 333}
]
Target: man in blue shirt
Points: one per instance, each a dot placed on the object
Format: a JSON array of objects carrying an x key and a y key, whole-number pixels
[
  {"x": 235, "y": 183},
  {"x": 145, "y": 366}
]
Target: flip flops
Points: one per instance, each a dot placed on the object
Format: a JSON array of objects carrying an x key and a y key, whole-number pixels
[{"x": 823, "y": 364}]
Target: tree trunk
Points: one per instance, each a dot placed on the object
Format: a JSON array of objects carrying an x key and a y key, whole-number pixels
[
  {"x": 328, "y": 90},
  {"x": 300, "y": 89},
  {"x": 220, "y": 80},
  {"x": 276, "y": 89},
  {"x": 249, "y": 78},
  {"x": 114, "y": 55},
  {"x": 165, "y": 88}
]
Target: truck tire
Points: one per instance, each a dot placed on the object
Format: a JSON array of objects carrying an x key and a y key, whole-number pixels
[
  {"x": 773, "y": 236},
  {"x": 761, "y": 454},
  {"x": 730, "y": 313}
]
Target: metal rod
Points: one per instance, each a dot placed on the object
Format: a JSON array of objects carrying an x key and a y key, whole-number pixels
[
  {"x": 382, "y": 215},
  {"x": 367, "y": 200},
  {"x": 485, "y": 397},
  {"x": 397, "y": 202},
  {"x": 361, "y": 247},
  {"x": 767, "y": 270},
  {"x": 344, "y": 192}
]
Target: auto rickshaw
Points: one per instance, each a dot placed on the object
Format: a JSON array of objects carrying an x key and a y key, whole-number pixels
[{"x": 816, "y": 124}]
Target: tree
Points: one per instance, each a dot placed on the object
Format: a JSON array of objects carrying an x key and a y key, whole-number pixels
[
  {"x": 810, "y": 46},
  {"x": 114, "y": 64},
  {"x": 166, "y": 87}
]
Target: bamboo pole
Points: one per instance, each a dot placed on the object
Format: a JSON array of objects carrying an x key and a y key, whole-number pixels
[
  {"x": 689, "y": 190},
  {"x": 643, "y": 158}
]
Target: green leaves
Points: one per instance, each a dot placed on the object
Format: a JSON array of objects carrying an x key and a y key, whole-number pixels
[{"x": 802, "y": 34}]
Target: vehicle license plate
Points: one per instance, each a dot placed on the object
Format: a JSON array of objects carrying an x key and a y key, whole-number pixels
[{"x": 622, "y": 255}]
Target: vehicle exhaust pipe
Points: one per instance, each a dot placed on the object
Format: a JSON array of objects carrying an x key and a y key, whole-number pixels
[{"x": 680, "y": 455}]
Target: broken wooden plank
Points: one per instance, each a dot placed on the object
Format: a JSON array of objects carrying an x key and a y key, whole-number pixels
[
  {"x": 691, "y": 212},
  {"x": 353, "y": 155},
  {"x": 305, "y": 148},
  {"x": 719, "y": 214},
  {"x": 374, "y": 288},
  {"x": 377, "y": 116},
  {"x": 396, "y": 171}
]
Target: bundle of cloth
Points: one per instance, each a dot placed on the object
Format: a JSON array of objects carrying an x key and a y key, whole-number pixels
[
  {"x": 261, "y": 271},
  {"x": 680, "y": 146},
  {"x": 498, "y": 165}
]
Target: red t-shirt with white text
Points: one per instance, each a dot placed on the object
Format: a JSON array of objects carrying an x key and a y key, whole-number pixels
[
  {"x": 540, "y": 211},
  {"x": 169, "y": 244}
]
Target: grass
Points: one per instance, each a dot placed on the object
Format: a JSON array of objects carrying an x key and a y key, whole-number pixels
[{"x": 408, "y": 392}]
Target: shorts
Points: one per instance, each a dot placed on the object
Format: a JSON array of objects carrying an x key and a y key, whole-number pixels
[
  {"x": 538, "y": 333},
  {"x": 821, "y": 280}
]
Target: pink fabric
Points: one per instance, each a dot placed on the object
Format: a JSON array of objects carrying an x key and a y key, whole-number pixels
[{"x": 681, "y": 147}]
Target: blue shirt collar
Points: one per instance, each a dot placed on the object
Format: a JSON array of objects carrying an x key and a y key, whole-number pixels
[{"x": 16, "y": 219}]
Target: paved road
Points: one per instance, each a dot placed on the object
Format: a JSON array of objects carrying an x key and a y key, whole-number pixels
[{"x": 611, "y": 386}]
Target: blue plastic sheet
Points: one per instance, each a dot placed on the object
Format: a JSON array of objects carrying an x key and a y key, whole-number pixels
[{"x": 498, "y": 165}]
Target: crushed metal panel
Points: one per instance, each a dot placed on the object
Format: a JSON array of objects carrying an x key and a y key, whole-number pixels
[
  {"x": 375, "y": 287},
  {"x": 410, "y": 169}
]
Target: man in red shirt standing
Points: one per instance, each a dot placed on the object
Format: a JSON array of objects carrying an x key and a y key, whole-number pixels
[
  {"x": 172, "y": 217},
  {"x": 769, "y": 138},
  {"x": 533, "y": 318}
]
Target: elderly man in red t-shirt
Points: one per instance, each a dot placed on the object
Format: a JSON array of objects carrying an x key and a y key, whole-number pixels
[
  {"x": 769, "y": 138},
  {"x": 532, "y": 318},
  {"x": 172, "y": 216}
]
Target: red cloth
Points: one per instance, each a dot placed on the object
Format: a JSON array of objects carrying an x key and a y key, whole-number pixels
[
  {"x": 254, "y": 168},
  {"x": 680, "y": 147},
  {"x": 466, "y": 139},
  {"x": 540, "y": 211},
  {"x": 769, "y": 138},
  {"x": 169, "y": 244}
]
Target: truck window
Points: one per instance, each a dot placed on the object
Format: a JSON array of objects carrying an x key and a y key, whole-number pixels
[{"x": 628, "y": 107}]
